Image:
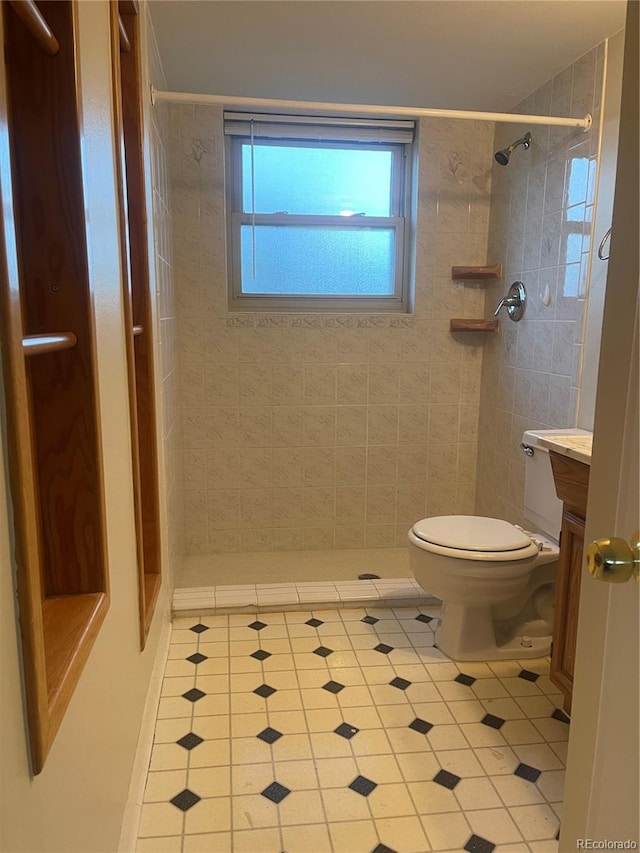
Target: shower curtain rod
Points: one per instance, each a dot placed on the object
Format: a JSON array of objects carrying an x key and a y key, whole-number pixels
[{"x": 367, "y": 109}]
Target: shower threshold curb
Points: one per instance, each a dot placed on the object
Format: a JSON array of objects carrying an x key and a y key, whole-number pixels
[{"x": 388, "y": 592}]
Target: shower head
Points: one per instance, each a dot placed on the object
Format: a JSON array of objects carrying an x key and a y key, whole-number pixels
[{"x": 502, "y": 157}]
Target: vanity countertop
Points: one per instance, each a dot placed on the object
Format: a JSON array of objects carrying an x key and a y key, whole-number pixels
[{"x": 576, "y": 444}]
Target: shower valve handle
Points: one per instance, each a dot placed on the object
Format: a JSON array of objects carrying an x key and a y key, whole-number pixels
[
  {"x": 507, "y": 302},
  {"x": 514, "y": 302}
]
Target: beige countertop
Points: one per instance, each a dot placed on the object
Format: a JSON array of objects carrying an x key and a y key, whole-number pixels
[{"x": 575, "y": 445}]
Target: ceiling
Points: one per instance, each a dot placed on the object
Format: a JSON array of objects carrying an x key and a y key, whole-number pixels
[{"x": 455, "y": 54}]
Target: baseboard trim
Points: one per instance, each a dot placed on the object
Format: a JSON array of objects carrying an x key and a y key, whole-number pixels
[{"x": 131, "y": 818}]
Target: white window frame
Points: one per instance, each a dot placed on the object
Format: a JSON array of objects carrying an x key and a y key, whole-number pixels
[{"x": 396, "y": 137}]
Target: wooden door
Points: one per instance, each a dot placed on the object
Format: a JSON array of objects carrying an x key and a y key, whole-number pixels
[{"x": 602, "y": 791}]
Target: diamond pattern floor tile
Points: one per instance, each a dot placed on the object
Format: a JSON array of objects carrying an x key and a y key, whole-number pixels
[
  {"x": 528, "y": 676},
  {"x": 269, "y": 735},
  {"x": 421, "y": 726},
  {"x": 493, "y": 721},
  {"x": 260, "y": 654},
  {"x": 346, "y": 731},
  {"x": 197, "y": 658},
  {"x": 323, "y": 651},
  {"x": 190, "y": 741},
  {"x": 526, "y": 772},
  {"x": 185, "y": 800},
  {"x": 350, "y": 732},
  {"x": 560, "y": 715},
  {"x": 479, "y": 845},
  {"x": 446, "y": 779},
  {"x": 362, "y": 785},
  {"x": 194, "y": 694},
  {"x": 276, "y": 792}
]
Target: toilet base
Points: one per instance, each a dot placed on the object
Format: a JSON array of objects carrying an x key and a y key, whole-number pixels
[{"x": 469, "y": 633}]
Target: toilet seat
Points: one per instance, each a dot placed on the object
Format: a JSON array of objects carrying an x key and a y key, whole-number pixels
[{"x": 472, "y": 537}]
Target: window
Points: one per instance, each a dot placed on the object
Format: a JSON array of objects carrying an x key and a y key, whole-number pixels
[{"x": 317, "y": 212}]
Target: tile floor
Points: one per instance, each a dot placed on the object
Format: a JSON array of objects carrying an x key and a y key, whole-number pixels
[{"x": 347, "y": 731}]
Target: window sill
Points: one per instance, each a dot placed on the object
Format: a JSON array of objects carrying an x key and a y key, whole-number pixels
[{"x": 317, "y": 305}]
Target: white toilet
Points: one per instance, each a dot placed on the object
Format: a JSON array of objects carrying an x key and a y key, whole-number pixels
[{"x": 496, "y": 580}]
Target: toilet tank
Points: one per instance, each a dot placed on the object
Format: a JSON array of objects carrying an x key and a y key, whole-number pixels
[{"x": 542, "y": 507}]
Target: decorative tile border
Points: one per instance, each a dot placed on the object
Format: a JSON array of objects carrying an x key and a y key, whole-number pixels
[
  {"x": 277, "y": 596},
  {"x": 317, "y": 321}
]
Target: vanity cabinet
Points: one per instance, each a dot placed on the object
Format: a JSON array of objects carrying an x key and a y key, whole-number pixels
[{"x": 571, "y": 479}]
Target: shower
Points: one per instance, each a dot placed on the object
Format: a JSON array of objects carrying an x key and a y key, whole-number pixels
[{"x": 502, "y": 157}]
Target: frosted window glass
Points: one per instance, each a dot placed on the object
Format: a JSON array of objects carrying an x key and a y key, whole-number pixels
[
  {"x": 578, "y": 179},
  {"x": 573, "y": 248},
  {"x": 322, "y": 181},
  {"x": 318, "y": 261}
]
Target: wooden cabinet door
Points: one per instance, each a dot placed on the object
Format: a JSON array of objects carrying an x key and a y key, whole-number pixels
[{"x": 565, "y": 627}]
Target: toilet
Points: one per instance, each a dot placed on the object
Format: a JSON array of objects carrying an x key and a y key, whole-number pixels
[{"x": 496, "y": 580}]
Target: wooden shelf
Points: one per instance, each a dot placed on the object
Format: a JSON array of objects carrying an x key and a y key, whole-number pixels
[
  {"x": 473, "y": 325},
  {"x": 152, "y": 583},
  {"x": 68, "y": 620},
  {"x": 50, "y": 376},
  {"x": 476, "y": 273},
  {"x": 128, "y": 92}
]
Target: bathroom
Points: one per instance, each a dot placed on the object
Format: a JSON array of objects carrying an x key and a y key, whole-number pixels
[
  {"x": 319, "y": 432},
  {"x": 298, "y": 449}
]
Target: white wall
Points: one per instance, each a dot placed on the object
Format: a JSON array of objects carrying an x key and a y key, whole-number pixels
[{"x": 76, "y": 804}]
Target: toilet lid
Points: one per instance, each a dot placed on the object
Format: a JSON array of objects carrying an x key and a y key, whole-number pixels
[{"x": 471, "y": 533}]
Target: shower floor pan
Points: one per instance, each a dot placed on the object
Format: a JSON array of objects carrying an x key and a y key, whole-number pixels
[
  {"x": 318, "y": 595},
  {"x": 224, "y": 582},
  {"x": 291, "y": 566}
]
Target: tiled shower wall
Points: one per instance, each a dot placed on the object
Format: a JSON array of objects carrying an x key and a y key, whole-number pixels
[
  {"x": 165, "y": 305},
  {"x": 327, "y": 431},
  {"x": 541, "y": 215}
]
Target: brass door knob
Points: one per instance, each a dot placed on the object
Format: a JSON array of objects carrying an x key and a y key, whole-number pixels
[{"x": 614, "y": 560}]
